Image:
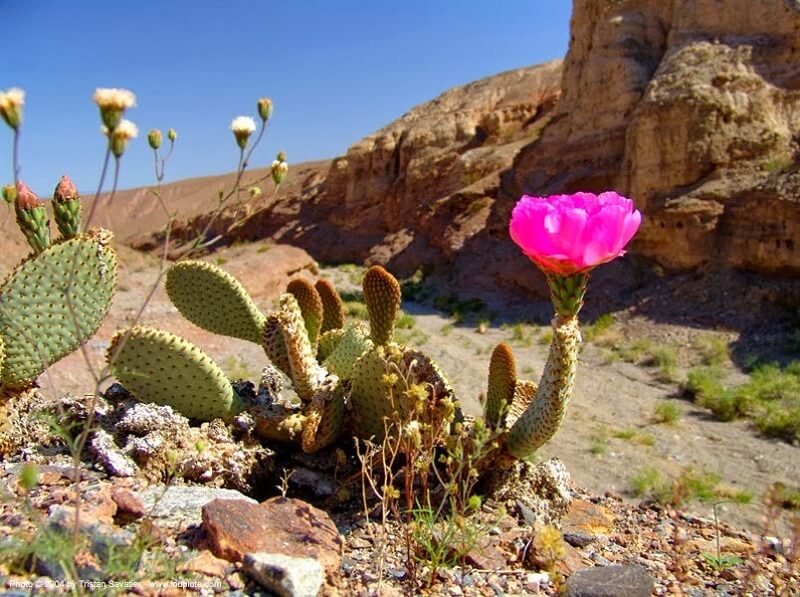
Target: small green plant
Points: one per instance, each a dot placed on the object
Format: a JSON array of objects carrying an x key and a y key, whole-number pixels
[
  {"x": 447, "y": 329},
  {"x": 667, "y": 413},
  {"x": 597, "y": 328},
  {"x": 713, "y": 350},
  {"x": 521, "y": 334},
  {"x": 599, "y": 443},
  {"x": 786, "y": 497},
  {"x": 221, "y": 260},
  {"x": 720, "y": 562},
  {"x": 665, "y": 358},
  {"x": 406, "y": 321},
  {"x": 633, "y": 352},
  {"x": 635, "y": 436}
]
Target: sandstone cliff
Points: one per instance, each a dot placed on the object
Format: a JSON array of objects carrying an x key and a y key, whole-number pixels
[{"x": 692, "y": 107}]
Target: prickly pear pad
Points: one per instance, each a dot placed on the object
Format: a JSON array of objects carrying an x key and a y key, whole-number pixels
[
  {"x": 35, "y": 319},
  {"x": 214, "y": 300},
  {"x": 159, "y": 367}
]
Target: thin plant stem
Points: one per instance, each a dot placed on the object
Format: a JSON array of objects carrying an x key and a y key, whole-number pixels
[{"x": 15, "y": 155}]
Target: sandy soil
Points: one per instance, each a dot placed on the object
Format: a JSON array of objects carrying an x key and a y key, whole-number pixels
[{"x": 609, "y": 397}]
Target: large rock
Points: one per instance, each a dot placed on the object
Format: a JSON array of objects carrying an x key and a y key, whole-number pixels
[{"x": 283, "y": 526}]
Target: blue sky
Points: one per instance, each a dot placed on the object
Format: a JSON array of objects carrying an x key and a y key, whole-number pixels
[{"x": 336, "y": 71}]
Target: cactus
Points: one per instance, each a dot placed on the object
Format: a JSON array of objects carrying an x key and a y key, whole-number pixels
[
  {"x": 333, "y": 308},
  {"x": 502, "y": 383},
  {"x": 311, "y": 307},
  {"x": 36, "y": 322},
  {"x": 214, "y": 300},
  {"x": 67, "y": 208},
  {"x": 543, "y": 416},
  {"x": 32, "y": 218},
  {"x": 390, "y": 381},
  {"x": 159, "y": 367}
]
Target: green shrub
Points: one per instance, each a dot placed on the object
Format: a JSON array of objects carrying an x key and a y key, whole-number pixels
[
  {"x": 667, "y": 412},
  {"x": 596, "y": 329}
]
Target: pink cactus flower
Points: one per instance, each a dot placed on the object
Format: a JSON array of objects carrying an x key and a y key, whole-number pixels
[{"x": 570, "y": 234}]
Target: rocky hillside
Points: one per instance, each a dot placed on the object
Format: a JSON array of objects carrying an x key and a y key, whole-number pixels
[{"x": 691, "y": 108}]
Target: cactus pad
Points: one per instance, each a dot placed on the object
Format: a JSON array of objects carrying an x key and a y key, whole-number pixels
[
  {"x": 35, "y": 318},
  {"x": 306, "y": 373},
  {"x": 214, "y": 300},
  {"x": 310, "y": 304},
  {"x": 328, "y": 342},
  {"x": 332, "y": 306},
  {"x": 382, "y": 295},
  {"x": 274, "y": 346},
  {"x": 325, "y": 416},
  {"x": 159, "y": 367},
  {"x": 353, "y": 343},
  {"x": 502, "y": 382}
]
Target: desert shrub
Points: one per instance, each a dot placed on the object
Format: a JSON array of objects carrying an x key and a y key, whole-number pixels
[
  {"x": 597, "y": 328},
  {"x": 667, "y": 412}
]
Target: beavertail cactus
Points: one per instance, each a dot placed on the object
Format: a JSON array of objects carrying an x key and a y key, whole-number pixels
[
  {"x": 159, "y": 367},
  {"x": 211, "y": 298},
  {"x": 67, "y": 208},
  {"x": 36, "y": 322}
]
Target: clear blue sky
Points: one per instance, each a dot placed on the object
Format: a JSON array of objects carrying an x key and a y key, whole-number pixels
[{"x": 336, "y": 71}]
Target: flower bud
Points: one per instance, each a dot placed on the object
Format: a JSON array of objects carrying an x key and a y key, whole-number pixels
[
  {"x": 281, "y": 157},
  {"x": 67, "y": 208},
  {"x": 65, "y": 190},
  {"x": 255, "y": 192},
  {"x": 11, "y": 103},
  {"x": 265, "y": 108},
  {"x": 26, "y": 198},
  {"x": 154, "y": 138},
  {"x": 243, "y": 127},
  {"x": 172, "y": 134},
  {"x": 32, "y": 218},
  {"x": 9, "y": 193},
  {"x": 279, "y": 170},
  {"x": 118, "y": 137},
  {"x": 112, "y": 104}
]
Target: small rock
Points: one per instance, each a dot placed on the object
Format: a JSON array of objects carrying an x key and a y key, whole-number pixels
[
  {"x": 536, "y": 581},
  {"x": 587, "y": 518},
  {"x": 286, "y": 576},
  {"x": 179, "y": 507},
  {"x": 579, "y": 539},
  {"x": 610, "y": 581},
  {"x": 127, "y": 502}
]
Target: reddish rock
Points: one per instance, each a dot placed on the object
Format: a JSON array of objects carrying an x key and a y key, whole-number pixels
[
  {"x": 127, "y": 502},
  {"x": 280, "y": 525},
  {"x": 586, "y": 517},
  {"x": 205, "y": 563},
  {"x": 486, "y": 555}
]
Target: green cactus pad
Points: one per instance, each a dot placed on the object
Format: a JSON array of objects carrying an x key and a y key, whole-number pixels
[
  {"x": 274, "y": 346},
  {"x": 382, "y": 295},
  {"x": 310, "y": 304},
  {"x": 353, "y": 343},
  {"x": 546, "y": 410},
  {"x": 68, "y": 217},
  {"x": 502, "y": 381},
  {"x": 35, "y": 319},
  {"x": 392, "y": 383},
  {"x": 332, "y": 306},
  {"x": 159, "y": 367},
  {"x": 213, "y": 299},
  {"x": 328, "y": 342},
  {"x": 35, "y": 225}
]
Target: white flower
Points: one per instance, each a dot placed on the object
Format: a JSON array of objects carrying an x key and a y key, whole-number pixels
[
  {"x": 243, "y": 125},
  {"x": 114, "y": 99},
  {"x": 12, "y": 98},
  {"x": 11, "y": 102},
  {"x": 125, "y": 130}
]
